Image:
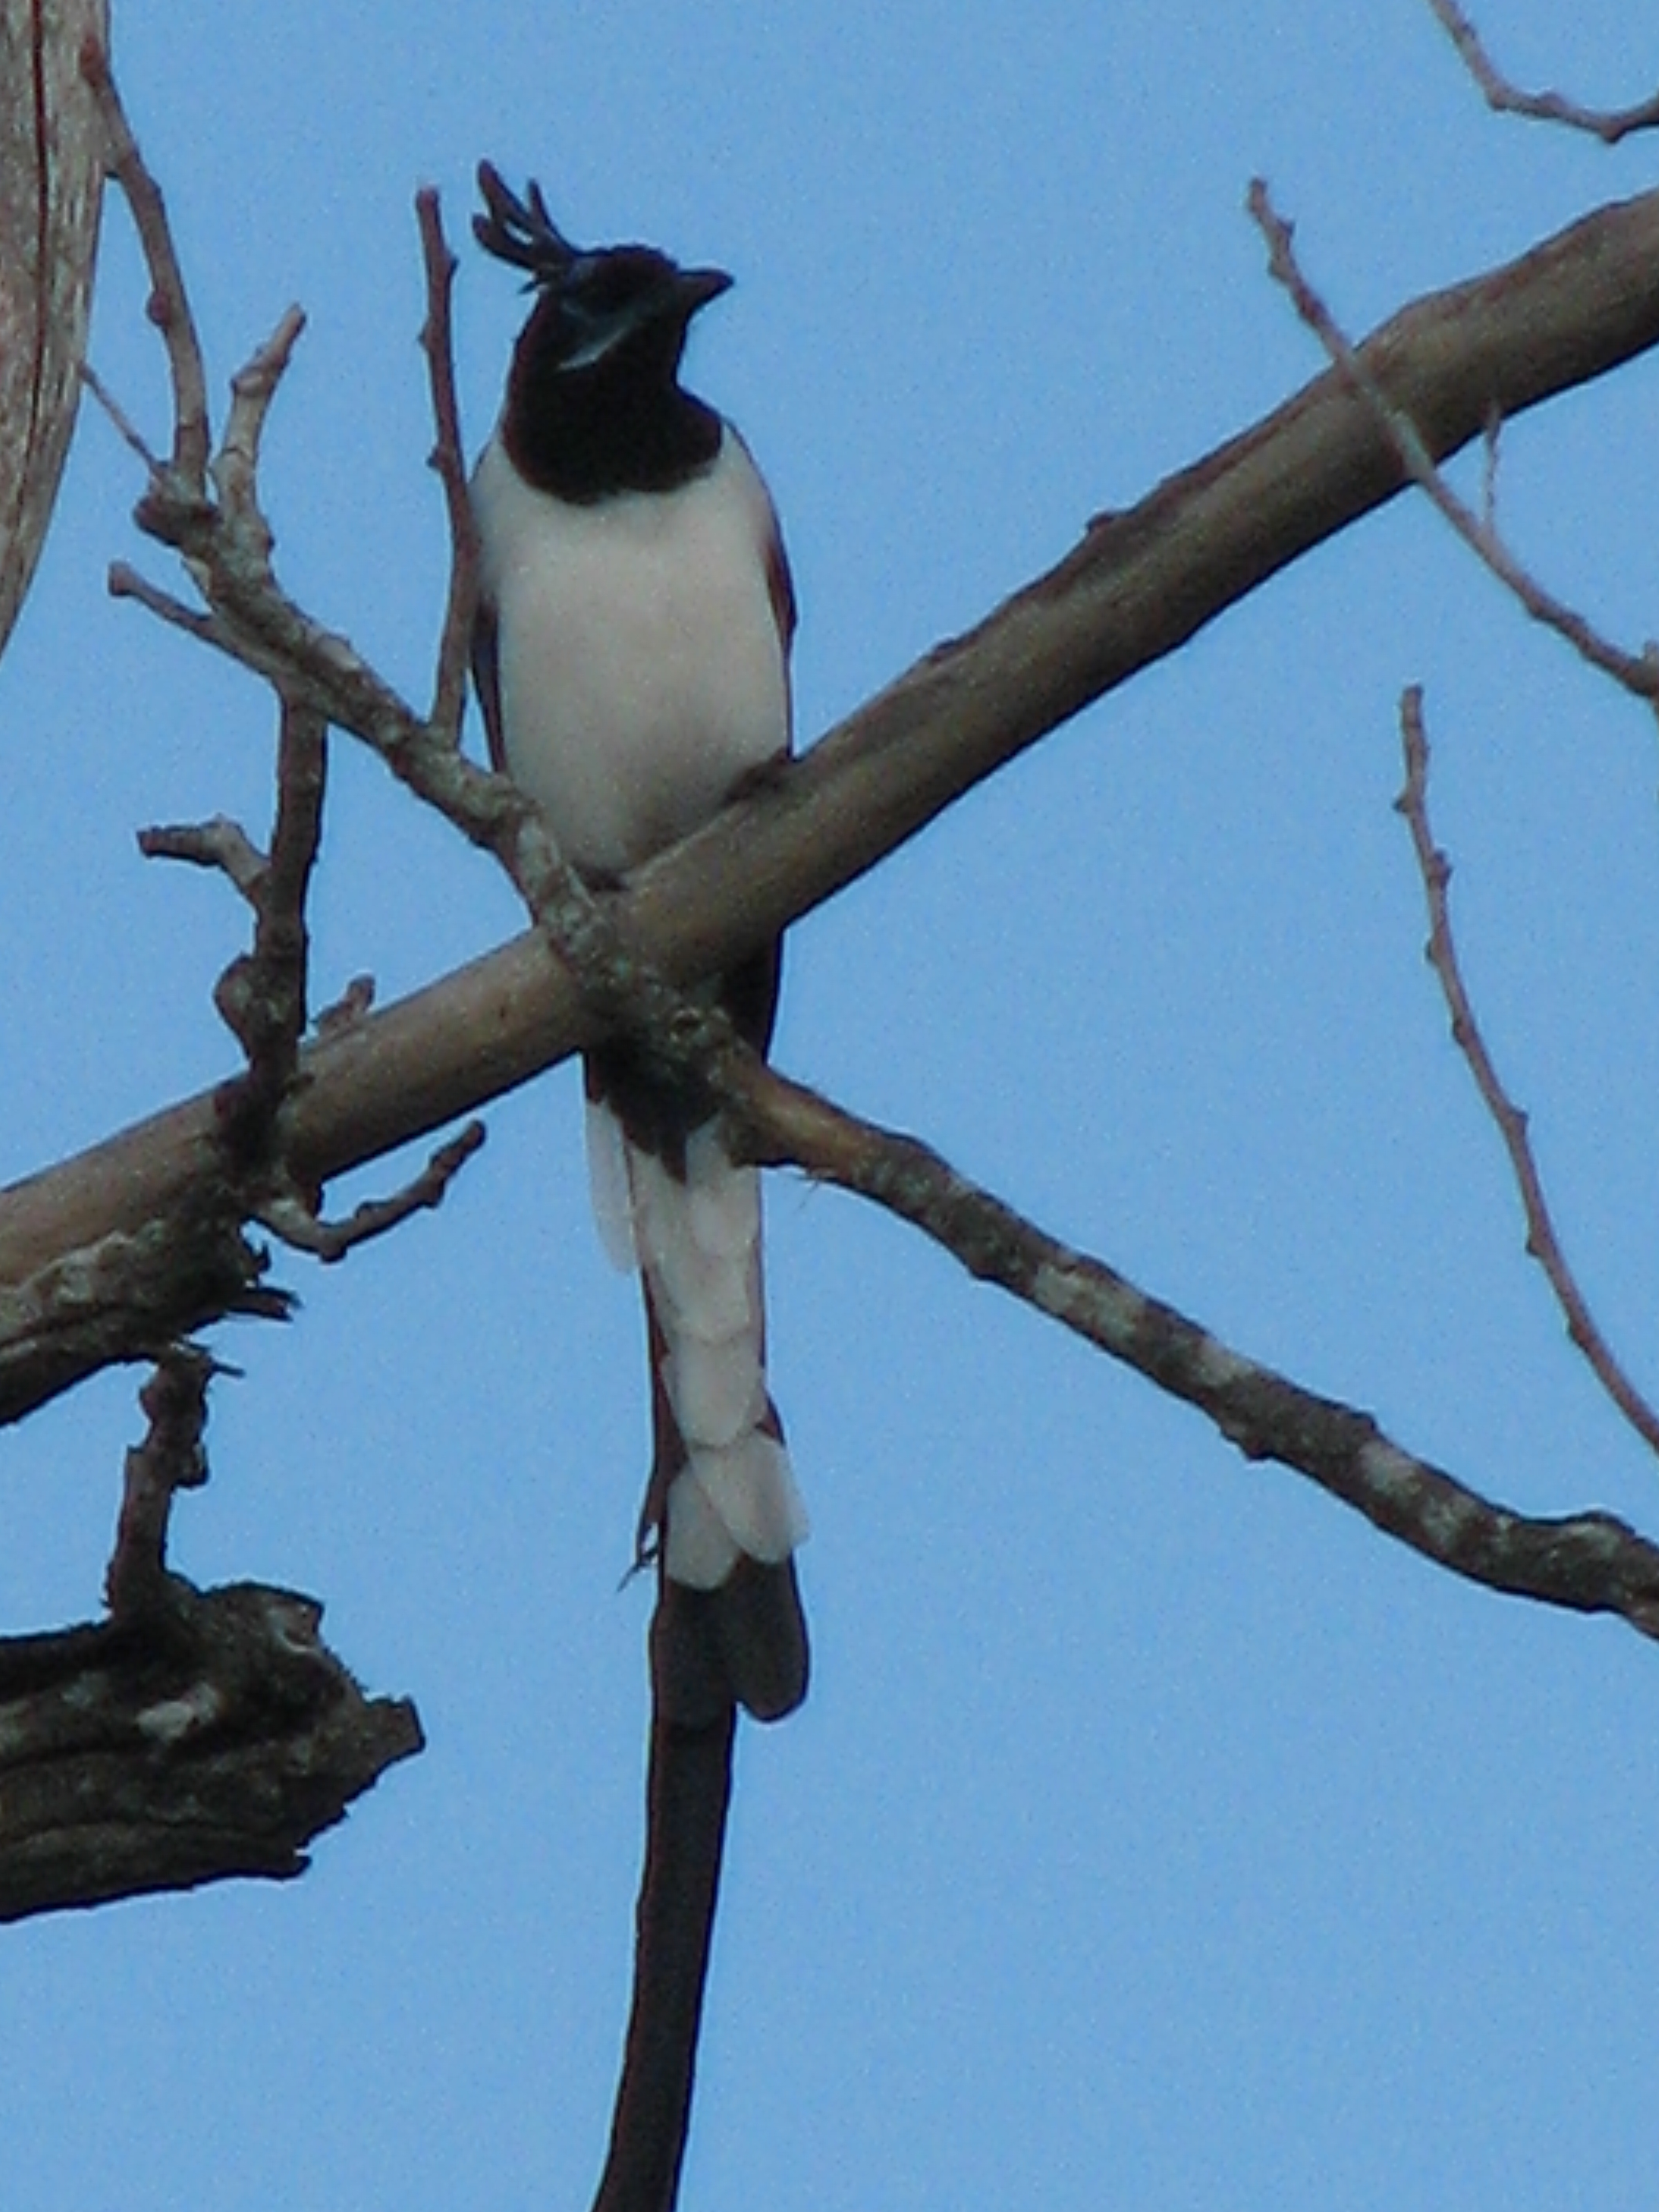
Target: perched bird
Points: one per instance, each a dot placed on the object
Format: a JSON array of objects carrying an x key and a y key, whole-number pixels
[{"x": 632, "y": 662}]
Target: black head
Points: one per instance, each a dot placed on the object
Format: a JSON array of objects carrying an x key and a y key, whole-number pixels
[{"x": 614, "y": 304}]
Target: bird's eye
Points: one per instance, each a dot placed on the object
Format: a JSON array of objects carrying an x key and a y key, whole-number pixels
[{"x": 600, "y": 283}]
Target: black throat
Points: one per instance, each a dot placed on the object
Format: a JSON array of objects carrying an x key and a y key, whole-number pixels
[{"x": 623, "y": 424}]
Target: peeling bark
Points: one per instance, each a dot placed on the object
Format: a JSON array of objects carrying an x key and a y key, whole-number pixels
[{"x": 214, "y": 1735}]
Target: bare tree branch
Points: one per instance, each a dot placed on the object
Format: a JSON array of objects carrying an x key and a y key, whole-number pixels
[
  {"x": 172, "y": 1456},
  {"x": 1542, "y": 1243},
  {"x": 236, "y": 466},
  {"x": 169, "y": 306},
  {"x": 1638, "y": 673},
  {"x": 263, "y": 996},
  {"x": 219, "y": 843},
  {"x": 1608, "y": 124},
  {"x": 449, "y": 692},
  {"x": 1138, "y": 586},
  {"x": 1588, "y": 1562},
  {"x": 300, "y": 1225},
  {"x": 126, "y": 583},
  {"x": 209, "y": 1736},
  {"x": 129, "y": 1295},
  {"x": 125, "y": 428}
]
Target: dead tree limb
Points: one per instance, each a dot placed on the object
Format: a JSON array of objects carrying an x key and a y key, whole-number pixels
[
  {"x": 211, "y": 1735},
  {"x": 1137, "y": 586}
]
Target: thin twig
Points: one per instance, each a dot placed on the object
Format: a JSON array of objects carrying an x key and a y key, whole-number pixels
[
  {"x": 236, "y": 465},
  {"x": 354, "y": 1003},
  {"x": 448, "y": 459},
  {"x": 261, "y": 994},
  {"x": 219, "y": 843},
  {"x": 126, "y": 582},
  {"x": 172, "y": 1457},
  {"x": 126, "y": 428},
  {"x": 1490, "y": 443},
  {"x": 288, "y": 1216},
  {"x": 1543, "y": 1245},
  {"x": 1589, "y": 1562},
  {"x": 1608, "y": 124},
  {"x": 170, "y": 303},
  {"x": 1638, "y": 672}
]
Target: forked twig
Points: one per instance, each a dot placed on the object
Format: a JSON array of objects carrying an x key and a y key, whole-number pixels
[
  {"x": 298, "y": 1224},
  {"x": 1638, "y": 673},
  {"x": 1608, "y": 124},
  {"x": 218, "y": 843},
  {"x": 169, "y": 301}
]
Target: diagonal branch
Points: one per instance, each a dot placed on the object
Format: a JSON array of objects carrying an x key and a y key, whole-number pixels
[
  {"x": 1608, "y": 124},
  {"x": 1588, "y": 1563},
  {"x": 1638, "y": 673},
  {"x": 169, "y": 304},
  {"x": 1138, "y": 586},
  {"x": 1542, "y": 1243}
]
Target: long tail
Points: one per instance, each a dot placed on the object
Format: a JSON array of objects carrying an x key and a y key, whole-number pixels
[
  {"x": 724, "y": 1517},
  {"x": 687, "y": 1794},
  {"x": 722, "y": 1511}
]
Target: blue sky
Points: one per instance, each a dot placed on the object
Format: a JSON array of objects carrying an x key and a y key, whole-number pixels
[{"x": 1157, "y": 1834}]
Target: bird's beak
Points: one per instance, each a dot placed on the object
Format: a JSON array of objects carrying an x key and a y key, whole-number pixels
[
  {"x": 695, "y": 287},
  {"x": 674, "y": 301}
]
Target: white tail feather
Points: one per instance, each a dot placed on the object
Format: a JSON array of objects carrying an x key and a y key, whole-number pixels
[
  {"x": 743, "y": 1498},
  {"x": 718, "y": 1391},
  {"x": 698, "y": 1548},
  {"x": 698, "y": 1242},
  {"x": 751, "y": 1487},
  {"x": 609, "y": 1187}
]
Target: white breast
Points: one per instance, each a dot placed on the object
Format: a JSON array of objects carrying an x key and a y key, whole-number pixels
[{"x": 640, "y": 664}]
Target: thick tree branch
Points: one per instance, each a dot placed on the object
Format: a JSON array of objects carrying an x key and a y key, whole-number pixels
[
  {"x": 1138, "y": 586},
  {"x": 211, "y": 1735}
]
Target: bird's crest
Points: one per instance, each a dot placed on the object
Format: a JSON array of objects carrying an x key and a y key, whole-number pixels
[{"x": 522, "y": 231}]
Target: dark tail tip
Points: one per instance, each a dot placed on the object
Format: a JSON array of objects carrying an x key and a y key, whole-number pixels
[
  {"x": 762, "y": 1637},
  {"x": 745, "y": 1641}
]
